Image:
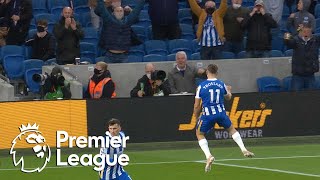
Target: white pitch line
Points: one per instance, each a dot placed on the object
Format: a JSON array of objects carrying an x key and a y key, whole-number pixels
[
  {"x": 268, "y": 169},
  {"x": 174, "y": 162}
]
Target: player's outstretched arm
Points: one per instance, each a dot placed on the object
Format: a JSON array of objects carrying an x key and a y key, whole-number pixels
[
  {"x": 228, "y": 96},
  {"x": 197, "y": 107}
]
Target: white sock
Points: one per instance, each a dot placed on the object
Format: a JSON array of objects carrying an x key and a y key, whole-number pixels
[
  {"x": 237, "y": 138},
  {"x": 203, "y": 143}
]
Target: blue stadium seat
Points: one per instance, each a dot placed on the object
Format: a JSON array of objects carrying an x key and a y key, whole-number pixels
[
  {"x": 27, "y": 52},
  {"x": 56, "y": 11},
  {"x": 317, "y": 82},
  {"x": 137, "y": 50},
  {"x": 31, "y": 33},
  {"x": 32, "y": 85},
  {"x": 228, "y": 55},
  {"x": 276, "y": 53},
  {"x": 133, "y": 58},
  {"x": 196, "y": 47},
  {"x": 156, "y": 47},
  {"x": 185, "y": 16},
  {"x": 88, "y": 50},
  {"x": 32, "y": 63},
  {"x": 82, "y": 9},
  {"x": 140, "y": 32},
  {"x": 78, "y": 3},
  {"x": 187, "y": 32},
  {"x": 50, "y": 61},
  {"x": 317, "y": 11},
  {"x": 242, "y": 55},
  {"x": 85, "y": 20},
  {"x": 144, "y": 14},
  {"x": 87, "y": 59},
  {"x": 154, "y": 58},
  {"x": 90, "y": 35},
  {"x": 288, "y": 52},
  {"x": 268, "y": 84},
  {"x": 39, "y": 6},
  {"x": 144, "y": 22},
  {"x": 13, "y": 65},
  {"x": 101, "y": 58},
  {"x": 47, "y": 16},
  {"x": 171, "y": 57},
  {"x": 196, "y": 56},
  {"x": 11, "y": 50},
  {"x": 55, "y": 3},
  {"x": 180, "y": 45},
  {"x": 286, "y": 83},
  {"x": 277, "y": 43}
]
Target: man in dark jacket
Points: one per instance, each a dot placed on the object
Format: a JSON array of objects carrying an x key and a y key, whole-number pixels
[
  {"x": 258, "y": 24},
  {"x": 3, "y": 21},
  {"x": 19, "y": 15},
  {"x": 116, "y": 34},
  {"x": 149, "y": 85},
  {"x": 304, "y": 59},
  {"x": 43, "y": 43},
  {"x": 164, "y": 19},
  {"x": 68, "y": 34}
]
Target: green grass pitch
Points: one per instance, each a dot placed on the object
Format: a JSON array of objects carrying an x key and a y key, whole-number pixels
[{"x": 293, "y": 162}]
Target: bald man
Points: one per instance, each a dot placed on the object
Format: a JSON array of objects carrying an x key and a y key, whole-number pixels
[
  {"x": 148, "y": 87},
  {"x": 68, "y": 34}
]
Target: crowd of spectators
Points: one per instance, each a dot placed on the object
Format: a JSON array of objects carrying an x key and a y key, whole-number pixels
[{"x": 218, "y": 26}]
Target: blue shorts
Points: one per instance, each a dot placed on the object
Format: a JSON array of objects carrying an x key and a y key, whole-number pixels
[
  {"x": 206, "y": 123},
  {"x": 124, "y": 176}
]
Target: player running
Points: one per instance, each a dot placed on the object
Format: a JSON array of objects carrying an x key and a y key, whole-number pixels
[{"x": 212, "y": 93}]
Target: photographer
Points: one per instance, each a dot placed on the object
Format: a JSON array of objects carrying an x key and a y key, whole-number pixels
[
  {"x": 153, "y": 83},
  {"x": 54, "y": 85}
]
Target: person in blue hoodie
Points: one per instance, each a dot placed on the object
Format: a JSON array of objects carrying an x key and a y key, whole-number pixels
[{"x": 295, "y": 20}]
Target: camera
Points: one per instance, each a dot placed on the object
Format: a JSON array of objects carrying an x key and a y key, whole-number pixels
[
  {"x": 57, "y": 80},
  {"x": 158, "y": 75}
]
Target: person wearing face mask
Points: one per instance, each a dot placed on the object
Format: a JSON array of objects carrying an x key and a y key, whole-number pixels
[
  {"x": 258, "y": 25},
  {"x": 150, "y": 86},
  {"x": 100, "y": 84},
  {"x": 232, "y": 27},
  {"x": 116, "y": 39},
  {"x": 43, "y": 43},
  {"x": 210, "y": 33},
  {"x": 304, "y": 59},
  {"x": 68, "y": 34}
]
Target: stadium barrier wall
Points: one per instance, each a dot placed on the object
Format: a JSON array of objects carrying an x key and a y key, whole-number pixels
[
  {"x": 161, "y": 119},
  {"x": 67, "y": 115},
  {"x": 255, "y": 115}
]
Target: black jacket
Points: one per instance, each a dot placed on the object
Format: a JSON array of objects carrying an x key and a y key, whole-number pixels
[
  {"x": 108, "y": 88},
  {"x": 18, "y": 32},
  {"x": 305, "y": 55},
  {"x": 259, "y": 31},
  {"x": 68, "y": 41},
  {"x": 165, "y": 87},
  {"x": 163, "y": 12},
  {"x": 42, "y": 48}
]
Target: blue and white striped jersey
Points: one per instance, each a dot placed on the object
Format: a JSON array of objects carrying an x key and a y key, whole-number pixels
[
  {"x": 210, "y": 37},
  {"x": 112, "y": 172},
  {"x": 212, "y": 92}
]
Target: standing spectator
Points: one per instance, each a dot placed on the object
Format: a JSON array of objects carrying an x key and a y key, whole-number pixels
[
  {"x": 258, "y": 24},
  {"x": 116, "y": 39},
  {"x": 95, "y": 19},
  {"x": 100, "y": 84},
  {"x": 3, "y": 21},
  {"x": 275, "y": 7},
  {"x": 232, "y": 26},
  {"x": 210, "y": 31},
  {"x": 296, "y": 20},
  {"x": 68, "y": 33},
  {"x": 19, "y": 15},
  {"x": 182, "y": 77},
  {"x": 304, "y": 59},
  {"x": 164, "y": 19},
  {"x": 150, "y": 85},
  {"x": 43, "y": 43},
  {"x": 289, "y": 4}
]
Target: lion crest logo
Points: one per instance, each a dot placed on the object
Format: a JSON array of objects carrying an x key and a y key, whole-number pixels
[{"x": 34, "y": 138}]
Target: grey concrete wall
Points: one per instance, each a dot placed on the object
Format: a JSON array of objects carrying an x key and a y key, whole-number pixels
[
  {"x": 6, "y": 91},
  {"x": 241, "y": 74}
]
